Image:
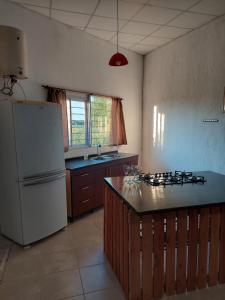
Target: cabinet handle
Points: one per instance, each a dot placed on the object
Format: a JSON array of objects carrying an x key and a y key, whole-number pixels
[
  {"x": 85, "y": 201},
  {"x": 85, "y": 174},
  {"x": 85, "y": 188}
]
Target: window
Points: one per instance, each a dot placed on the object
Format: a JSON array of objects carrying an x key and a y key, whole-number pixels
[
  {"x": 100, "y": 120},
  {"x": 89, "y": 120}
]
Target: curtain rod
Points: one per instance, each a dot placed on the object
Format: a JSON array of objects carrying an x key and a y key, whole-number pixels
[{"x": 85, "y": 92}]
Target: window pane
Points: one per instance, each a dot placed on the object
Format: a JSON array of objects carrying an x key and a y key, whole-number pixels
[
  {"x": 100, "y": 120},
  {"x": 78, "y": 122}
]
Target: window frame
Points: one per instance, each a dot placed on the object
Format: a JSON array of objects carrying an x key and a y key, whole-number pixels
[
  {"x": 86, "y": 98},
  {"x": 81, "y": 98}
]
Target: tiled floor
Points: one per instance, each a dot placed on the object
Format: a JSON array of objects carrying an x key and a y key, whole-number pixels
[{"x": 70, "y": 265}]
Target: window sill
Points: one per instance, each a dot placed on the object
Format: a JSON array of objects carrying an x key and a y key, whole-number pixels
[{"x": 71, "y": 148}]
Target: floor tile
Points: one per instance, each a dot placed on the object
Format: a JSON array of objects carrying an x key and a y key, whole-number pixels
[
  {"x": 59, "y": 261},
  {"x": 4, "y": 256},
  {"x": 5, "y": 243},
  {"x": 91, "y": 236},
  {"x": 98, "y": 217},
  {"x": 61, "y": 285},
  {"x": 25, "y": 288},
  {"x": 213, "y": 293},
  {"x": 58, "y": 242},
  {"x": 79, "y": 232},
  {"x": 109, "y": 294},
  {"x": 75, "y": 298},
  {"x": 92, "y": 255},
  {"x": 96, "y": 278},
  {"x": 22, "y": 267},
  {"x": 94, "y": 241}
]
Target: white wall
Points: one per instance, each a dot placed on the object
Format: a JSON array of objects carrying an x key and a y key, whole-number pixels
[
  {"x": 186, "y": 80},
  {"x": 61, "y": 56}
]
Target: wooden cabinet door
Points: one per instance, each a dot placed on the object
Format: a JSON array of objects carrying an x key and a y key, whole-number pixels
[
  {"x": 134, "y": 161},
  {"x": 116, "y": 170}
]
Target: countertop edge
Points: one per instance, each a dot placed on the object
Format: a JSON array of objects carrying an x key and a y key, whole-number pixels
[
  {"x": 162, "y": 210},
  {"x": 96, "y": 162}
]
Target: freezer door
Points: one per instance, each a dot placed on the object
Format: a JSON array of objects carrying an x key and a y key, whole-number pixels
[
  {"x": 43, "y": 205},
  {"x": 39, "y": 138}
]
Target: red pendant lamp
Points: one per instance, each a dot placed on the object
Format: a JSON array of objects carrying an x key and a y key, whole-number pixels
[{"x": 118, "y": 59}]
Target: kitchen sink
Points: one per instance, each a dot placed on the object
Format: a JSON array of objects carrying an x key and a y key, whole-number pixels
[
  {"x": 107, "y": 156},
  {"x": 115, "y": 155},
  {"x": 98, "y": 158}
]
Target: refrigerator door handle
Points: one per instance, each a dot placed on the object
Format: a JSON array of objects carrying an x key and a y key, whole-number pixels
[
  {"x": 44, "y": 180},
  {"x": 44, "y": 175}
]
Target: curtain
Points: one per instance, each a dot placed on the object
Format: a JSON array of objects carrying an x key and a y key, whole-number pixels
[
  {"x": 118, "y": 131},
  {"x": 59, "y": 96}
]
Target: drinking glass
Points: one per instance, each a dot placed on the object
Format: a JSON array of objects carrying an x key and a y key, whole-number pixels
[
  {"x": 127, "y": 171},
  {"x": 135, "y": 173}
]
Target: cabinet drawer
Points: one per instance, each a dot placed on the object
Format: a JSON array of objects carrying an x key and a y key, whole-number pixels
[
  {"x": 85, "y": 192},
  {"x": 84, "y": 179},
  {"x": 83, "y": 206}
]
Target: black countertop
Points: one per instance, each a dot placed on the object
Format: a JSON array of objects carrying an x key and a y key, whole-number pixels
[
  {"x": 78, "y": 163},
  {"x": 144, "y": 198}
]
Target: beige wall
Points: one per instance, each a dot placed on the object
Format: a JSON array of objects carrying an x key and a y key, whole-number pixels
[
  {"x": 61, "y": 56},
  {"x": 186, "y": 81}
]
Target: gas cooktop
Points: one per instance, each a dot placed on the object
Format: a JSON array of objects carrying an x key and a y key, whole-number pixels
[{"x": 170, "y": 178}]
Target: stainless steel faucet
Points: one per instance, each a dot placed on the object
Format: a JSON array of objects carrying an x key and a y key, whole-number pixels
[{"x": 99, "y": 150}]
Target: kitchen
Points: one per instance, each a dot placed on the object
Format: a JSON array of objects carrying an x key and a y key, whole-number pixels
[{"x": 173, "y": 114}]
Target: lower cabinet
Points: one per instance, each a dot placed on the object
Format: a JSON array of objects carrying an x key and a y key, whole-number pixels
[
  {"x": 85, "y": 187},
  {"x": 99, "y": 185},
  {"x": 116, "y": 170}
]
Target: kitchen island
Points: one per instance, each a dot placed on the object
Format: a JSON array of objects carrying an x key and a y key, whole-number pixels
[{"x": 165, "y": 240}]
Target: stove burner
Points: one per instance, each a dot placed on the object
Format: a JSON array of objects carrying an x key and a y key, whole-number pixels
[{"x": 170, "y": 178}]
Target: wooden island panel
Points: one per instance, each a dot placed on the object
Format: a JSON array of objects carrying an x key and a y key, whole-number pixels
[
  {"x": 163, "y": 253},
  {"x": 147, "y": 251},
  {"x": 116, "y": 238},
  {"x": 170, "y": 253},
  {"x": 203, "y": 248},
  {"x": 192, "y": 250}
]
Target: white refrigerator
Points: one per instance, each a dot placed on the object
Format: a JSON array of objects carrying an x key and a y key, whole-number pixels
[{"x": 32, "y": 171}]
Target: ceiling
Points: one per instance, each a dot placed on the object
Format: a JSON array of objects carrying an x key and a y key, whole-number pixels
[{"x": 144, "y": 24}]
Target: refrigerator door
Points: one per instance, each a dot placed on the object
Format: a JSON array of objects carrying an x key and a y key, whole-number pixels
[
  {"x": 39, "y": 138},
  {"x": 43, "y": 206}
]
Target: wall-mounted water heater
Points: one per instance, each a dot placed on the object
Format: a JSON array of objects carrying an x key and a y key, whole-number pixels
[{"x": 13, "y": 64}]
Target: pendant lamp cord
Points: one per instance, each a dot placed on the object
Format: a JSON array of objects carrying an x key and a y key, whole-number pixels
[{"x": 117, "y": 26}]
